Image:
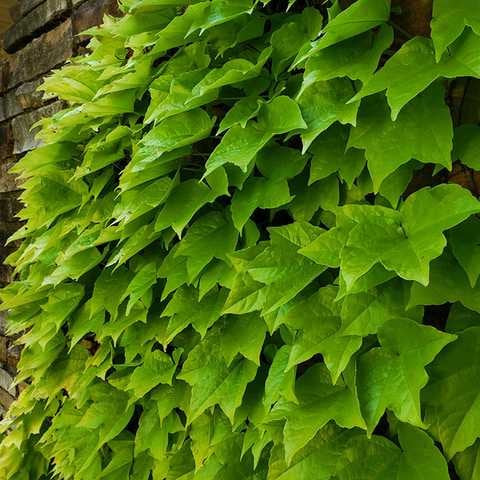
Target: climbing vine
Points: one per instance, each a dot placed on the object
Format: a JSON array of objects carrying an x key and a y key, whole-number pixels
[{"x": 251, "y": 248}]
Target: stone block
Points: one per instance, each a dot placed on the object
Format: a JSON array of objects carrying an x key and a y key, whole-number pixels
[
  {"x": 9, "y": 206},
  {"x": 33, "y": 23},
  {"x": 6, "y": 141},
  {"x": 6, "y": 381},
  {"x": 14, "y": 353},
  {"x": 8, "y": 181},
  {"x": 28, "y": 96},
  {"x": 6, "y": 399},
  {"x": 4, "y": 74},
  {"x": 9, "y": 106},
  {"x": 91, "y": 12},
  {"x": 41, "y": 55},
  {"x": 22, "y": 7},
  {"x": 3, "y": 323},
  {"x": 21, "y": 126},
  {"x": 3, "y": 349},
  {"x": 25, "y": 97}
]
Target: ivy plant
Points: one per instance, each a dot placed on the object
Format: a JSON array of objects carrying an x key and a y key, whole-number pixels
[{"x": 244, "y": 252}]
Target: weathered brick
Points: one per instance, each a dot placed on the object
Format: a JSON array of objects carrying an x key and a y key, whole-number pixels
[
  {"x": 3, "y": 349},
  {"x": 91, "y": 12},
  {"x": 3, "y": 323},
  {"x": 41, "y": 55},
  {"x": 22, "y": 7},
  {"x": 25, "y": 97},
  {"x": 21, "y": 126},
  {"x": 6, "y": 399},
  {"x": 6, "y": 381},
  {"x": 8, "y": 181},
  {"x": 34, "y": 22},
  {"x": 6, "y": 141},
  {"x": 14, "y": 352},
  {"x": 28, "y": 95},
  {"x": 4, "y": 74},
  {"x": 9, "y": 206},
  {"x": 9, "y": 107}
]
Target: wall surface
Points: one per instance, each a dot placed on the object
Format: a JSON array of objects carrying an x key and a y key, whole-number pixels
[{"x": 42, "y": 35}]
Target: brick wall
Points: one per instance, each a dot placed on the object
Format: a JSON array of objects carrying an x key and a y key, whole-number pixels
[{"x": 43, "y": 36}]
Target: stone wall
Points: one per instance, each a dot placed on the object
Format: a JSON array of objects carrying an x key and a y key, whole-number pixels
[{"x": 44, "y": 34}]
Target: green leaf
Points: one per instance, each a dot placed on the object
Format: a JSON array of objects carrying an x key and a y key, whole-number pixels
[
  {"x": 240, "y": 145},
  {"x": 281, "y": 268},
  {"x": 396, "y": 183},
  {"x": 136, "y": 202},
  {"x": 292, "y": 36},
  {"x": 448, "y": 283},
  {"x": 213, "y": 381},
  {"x": 467, "y": 462},
  {"x": 281, "y": 115},
  {"x": 185, "y": 308},
  {"x": 318, "y": 403},
  {"x": 281, "y": 380},
  {"x": 323, "y": 103},
  {"x": 344, "y": 454},
  {"x": 323, "y": 193},
  {"x": 454, "y": 420},
  {"x": 241, "y": 112},
  {"x": 392, "y": 375},
  {"x": 364, "y": 313},
  {"x": 74, "y": 267},
  {"x": 172, "y": 133},
  {"x": 243, "y": 334},
  {"x": 420, "y": 459},
  {"x": 466, "y": 145},
  {"x": 318, "y": 331},
  {"x": 233, "y": 71},
  {"x": 405, "y": 138},
  {"x": 449, "y": 21},
  {"x": 140, "y": 284},
  {"x": 464, "y": 241},
  {"x": 220, "y": 11},
  {"x": 185, "y": 200},
  {"x": 246, "y": 295},
  {"x": 108, "y": 291},
  {"x": 211, "y": 236},
  {"x": 256, "y": 193},
  {"x": 356, "y": 58},
  {"x": 280, "y": 163},
  {"x": 399, "y": 240},
  {"x": 360, "y": 17},
  {"x": 157, "y": 367},
  {"x": 413, "y": 68},
  {"x": 330, "y": 154}
]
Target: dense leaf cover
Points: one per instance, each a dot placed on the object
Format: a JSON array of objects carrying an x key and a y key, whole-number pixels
[{"x": 225, "y": 270}]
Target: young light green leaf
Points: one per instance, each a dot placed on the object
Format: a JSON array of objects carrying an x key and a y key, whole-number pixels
[
  {"x": 356, "y": 58},
  {"x": 323, "y": 103},
  {"x": 360, "y": 17},
  {"x": 256, "y": 193},
  {"x": 420, "y": 459},
  {"x": 406, "y": 138},
  {"x": 449, "y": 21},
  {"x": 455, "y": 421},
  {"x": 466, "y": 145},
  {"x": 464, "y": 241},
  {"x": 318, "y": 403},
  {"x": 413, "y": 68},
  {"x": 391, "y": 376}
]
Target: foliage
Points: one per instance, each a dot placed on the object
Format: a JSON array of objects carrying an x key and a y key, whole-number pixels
[{"x": 226, "y": 270}]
